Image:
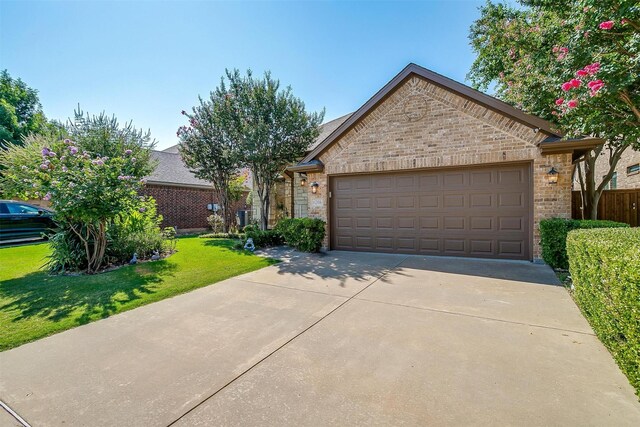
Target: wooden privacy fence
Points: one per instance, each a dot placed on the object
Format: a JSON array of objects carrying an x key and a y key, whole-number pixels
[{"x": 615, "y": 205}]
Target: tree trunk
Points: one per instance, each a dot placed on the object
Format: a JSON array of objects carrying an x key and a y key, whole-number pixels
[
  {"x": 591, "y": 192},
  {"x": 264, "y": 208}
]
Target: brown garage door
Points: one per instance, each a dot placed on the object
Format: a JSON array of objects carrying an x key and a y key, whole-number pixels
[{"x": 475, "y": 211}]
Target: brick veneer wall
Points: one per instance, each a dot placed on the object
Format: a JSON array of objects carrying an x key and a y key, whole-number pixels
[
  {"x": 625, "y": 180},
  {"x": 185, "y": 207},
  {"x": 421, "y": 125}
]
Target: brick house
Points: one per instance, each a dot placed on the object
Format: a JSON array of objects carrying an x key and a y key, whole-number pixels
[
  {"x": 182, "y": 199},
  {"x": 431, "y": 166},
  {"x": 627, "y": 174}
]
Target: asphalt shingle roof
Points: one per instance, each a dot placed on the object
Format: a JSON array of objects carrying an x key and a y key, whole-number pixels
[{"x": 171, "y": 170}]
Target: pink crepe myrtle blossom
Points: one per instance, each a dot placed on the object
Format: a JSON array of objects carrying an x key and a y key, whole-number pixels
[
  {"x": 592, "y": 69},
  {"x": 606, "y": 25},
  {"x": 573, "y": 103},
  {"x": 575, "y": 82},
  {"x": 566, "y": 86},
  {"x": 559, "y": 101},
  {"x": 581, "y": 73}
]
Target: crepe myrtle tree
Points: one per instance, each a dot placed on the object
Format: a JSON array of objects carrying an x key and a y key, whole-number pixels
[
  {"x": 575, "y": 63},
  {"x": 208, "y": 148},
  {"x": 271, "y": 126},
  {"x": 90, "y": 178}
]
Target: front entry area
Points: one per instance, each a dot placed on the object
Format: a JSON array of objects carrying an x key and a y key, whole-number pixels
[{"x": 482, "y": 211}]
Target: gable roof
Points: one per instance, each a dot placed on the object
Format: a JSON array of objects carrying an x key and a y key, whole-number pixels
[
  {"x": 170, "y": 170},
  {"x": 173, "y": 149},
  {"x": 443, "y": 82},
  {"x": 327, "y": 129}
]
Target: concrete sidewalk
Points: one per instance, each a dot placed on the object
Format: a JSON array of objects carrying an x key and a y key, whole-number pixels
[{"x": 344, "y": 338}]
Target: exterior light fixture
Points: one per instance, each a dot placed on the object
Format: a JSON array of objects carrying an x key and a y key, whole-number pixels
[
  {"x": 303, "y": 179},
  {"x": 552, "y": 176},
  {"x": 314, "y": 187}
]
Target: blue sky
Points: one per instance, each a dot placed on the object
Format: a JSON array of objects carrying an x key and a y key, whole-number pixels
[{"x": 145, "y": 61}]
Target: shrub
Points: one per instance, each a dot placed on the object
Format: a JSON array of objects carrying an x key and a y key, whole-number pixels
[
  {"x": 216, "y": 222},
  {"x": 263, "y": 238},
  {"x": 304, "y": 234},
  {"x": 553, "y": 235},
  {"x": 138, "y": 231},
  {"x": 605, "y": 268},
  {"x": 68, "y": 252},
  {"x": 91, "y": 179}
]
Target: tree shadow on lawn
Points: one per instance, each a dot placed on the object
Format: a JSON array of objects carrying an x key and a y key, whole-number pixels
[
  {"x": 84, "y": 297},
  {"x": 227, "y": 246}
]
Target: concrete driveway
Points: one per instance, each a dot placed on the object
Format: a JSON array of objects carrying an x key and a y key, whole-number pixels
[{"x": 338, "y": 339}]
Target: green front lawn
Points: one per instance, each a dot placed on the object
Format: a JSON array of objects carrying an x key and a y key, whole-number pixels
[{"x": 34, "y": 304}]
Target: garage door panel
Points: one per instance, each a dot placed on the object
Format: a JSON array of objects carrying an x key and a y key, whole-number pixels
[
  {"x": 454, "y": 200},
  {"x": 384, "y": 202},
  {"x": 480, "y": 178},
  {"x": 430, "y": 201},
  {"x": 430, "y": 222},
  {"x": 454, "y": 223},
  {"x": 475, "y": 211},
  {"x": 481, "y": 247}
]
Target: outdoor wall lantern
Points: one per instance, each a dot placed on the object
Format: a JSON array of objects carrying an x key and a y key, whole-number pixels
[
  {"x": 552, "y": 176},
  {"x": 303, "y": 179},
  {"x": 314, "y": 187}
]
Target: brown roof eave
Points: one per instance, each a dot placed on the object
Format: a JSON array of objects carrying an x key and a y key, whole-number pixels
[
  {"x": 577, "y": 147},
  {"x": 446, "y": 83},
  {"x": 312, "y": 166}
]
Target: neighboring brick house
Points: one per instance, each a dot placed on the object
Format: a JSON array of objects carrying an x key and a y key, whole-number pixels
[
  {"x": 626, "y": 176},
  {"x": 182, "y": 198},
  {"x": 430, "y": 166}
]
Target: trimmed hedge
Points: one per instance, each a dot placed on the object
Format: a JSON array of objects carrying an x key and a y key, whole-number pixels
[
  {"x": 605, "y": 268},
  {"x": 553, "y": 236},
  {"x": 304, "y": 234},
  {"x": 262, "y": 238}
]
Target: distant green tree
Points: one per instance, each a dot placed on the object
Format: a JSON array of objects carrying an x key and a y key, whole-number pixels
[
  {"x": 209, "y": 150},
  {"x": 573, "y": 62},
  {"x": 20, "y": 110}
]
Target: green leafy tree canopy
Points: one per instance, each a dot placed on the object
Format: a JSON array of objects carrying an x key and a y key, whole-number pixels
[
  {"x": 575, "y": 63},
  {"x": 20, "y": 110}
]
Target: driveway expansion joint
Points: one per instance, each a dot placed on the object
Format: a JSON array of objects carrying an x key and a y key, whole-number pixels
[
  {"x": 14, "y": 414},
  {"x": 250, "y": 368},
  {"x": 494, "y": 319}
]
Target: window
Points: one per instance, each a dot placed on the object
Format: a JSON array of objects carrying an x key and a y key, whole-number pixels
[
  {"x": 15, "y": 208},
  {"x": 613, "y": 184},
  {"x": 633, "y": 168}
]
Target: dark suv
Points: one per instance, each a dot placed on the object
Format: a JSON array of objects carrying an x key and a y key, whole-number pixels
[{"x": 22, "y": 221}]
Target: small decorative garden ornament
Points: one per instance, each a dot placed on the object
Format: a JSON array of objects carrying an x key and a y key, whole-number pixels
[
  {"x": 134, "y": 260},
  {"x": 249, "y": 245},
  {"x": 155, "y": 256}
]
